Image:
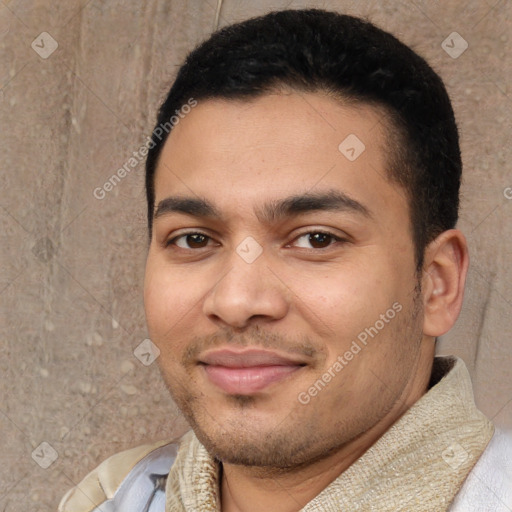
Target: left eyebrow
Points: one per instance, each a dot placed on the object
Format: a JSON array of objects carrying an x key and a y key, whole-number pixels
[
  {"x": 330, "y": 200},
  {"x": 272, "y": 211}
]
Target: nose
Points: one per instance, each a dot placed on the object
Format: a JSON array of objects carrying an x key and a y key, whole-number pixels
[{"x": 248, "y": 293}]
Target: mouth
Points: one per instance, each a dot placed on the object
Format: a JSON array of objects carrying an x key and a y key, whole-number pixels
[{"x": 248, "y": 371}]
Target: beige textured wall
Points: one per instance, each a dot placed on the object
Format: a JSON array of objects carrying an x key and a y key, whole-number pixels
[{"x": 71, "y": 271}]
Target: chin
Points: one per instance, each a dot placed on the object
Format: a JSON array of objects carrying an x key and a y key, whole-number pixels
[
  {"x": 248, "y": 440},
  {"x": 253, "y": 449}
]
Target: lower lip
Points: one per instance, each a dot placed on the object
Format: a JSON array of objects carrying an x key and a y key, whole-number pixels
[{"x": 244, "y": 381}]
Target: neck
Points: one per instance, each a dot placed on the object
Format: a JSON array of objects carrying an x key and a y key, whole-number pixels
[{"x": 253, "y": 489}]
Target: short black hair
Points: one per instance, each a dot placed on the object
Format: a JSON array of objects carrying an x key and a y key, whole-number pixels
[{"x": 314, "y": 50}]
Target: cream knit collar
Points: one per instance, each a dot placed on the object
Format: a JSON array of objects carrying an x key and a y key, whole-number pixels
[{"x": 419, "y": 464}]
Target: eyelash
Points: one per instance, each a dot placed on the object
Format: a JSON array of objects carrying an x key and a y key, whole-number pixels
[{"x": 335, "y": 238}]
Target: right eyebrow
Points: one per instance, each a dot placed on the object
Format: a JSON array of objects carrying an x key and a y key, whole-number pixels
[{"x": 188, "y": 205}]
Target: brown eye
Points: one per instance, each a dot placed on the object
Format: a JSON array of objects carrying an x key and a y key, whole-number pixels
[
  {"x": 190, "y": 241},
  {"x": 316, "y": 240}
]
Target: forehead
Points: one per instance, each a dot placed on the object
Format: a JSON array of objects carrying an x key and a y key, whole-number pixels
[
  {"x": 280, "y": 119},
  {"x": 277, "y": 145}
]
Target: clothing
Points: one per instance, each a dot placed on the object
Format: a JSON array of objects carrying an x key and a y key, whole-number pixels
[{"x": 441, "y": 455}]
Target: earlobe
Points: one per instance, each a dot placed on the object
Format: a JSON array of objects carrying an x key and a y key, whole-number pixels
[{"x": 444, "y": 277}]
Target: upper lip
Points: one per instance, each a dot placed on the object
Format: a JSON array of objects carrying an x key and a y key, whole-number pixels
[{"x": 247, "y": 358}]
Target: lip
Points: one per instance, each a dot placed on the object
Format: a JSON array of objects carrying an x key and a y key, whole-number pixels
[
  {"x": 248, "y": 371},
  {"x": 247, "y": 358}
]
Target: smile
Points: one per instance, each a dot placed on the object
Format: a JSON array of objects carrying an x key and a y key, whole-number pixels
[{"x": 249, "y": 371}]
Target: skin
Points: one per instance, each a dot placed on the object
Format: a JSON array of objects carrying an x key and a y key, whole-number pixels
[{"x": 301, "y": 296}]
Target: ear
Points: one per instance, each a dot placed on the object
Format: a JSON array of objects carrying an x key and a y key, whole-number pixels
[{"x": 444, "y": 276}]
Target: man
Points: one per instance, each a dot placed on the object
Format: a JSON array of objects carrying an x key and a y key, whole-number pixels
[{"x": 302, "y": 200}]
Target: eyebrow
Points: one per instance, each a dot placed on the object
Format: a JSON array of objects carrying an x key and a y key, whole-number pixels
[{"x": 272, "y": 211}]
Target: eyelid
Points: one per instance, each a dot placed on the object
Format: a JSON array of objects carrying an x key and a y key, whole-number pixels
[
  {"x": 323, "y": 231},
  {"x": 176, "y": 236}
]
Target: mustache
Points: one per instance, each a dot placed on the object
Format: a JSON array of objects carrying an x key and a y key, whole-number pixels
[{"x": 254, "y": 337}]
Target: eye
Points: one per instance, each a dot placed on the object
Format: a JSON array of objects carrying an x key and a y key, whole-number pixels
[
  {"x": 317, "y": 240},
  {"x": 191, "y": 240},
  {"x": 309, "y": 240}
]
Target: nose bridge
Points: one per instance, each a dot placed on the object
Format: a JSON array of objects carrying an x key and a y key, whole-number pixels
[{"x": 248, "y": 289}]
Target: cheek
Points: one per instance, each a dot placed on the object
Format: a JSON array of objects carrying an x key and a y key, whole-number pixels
[
  {"x": 152, "y": 295},
  {"x": 341, "y": 304},
  {"x": 344, "y": 298},
  {"x": 172, "y": 301},
  {"x": 163, "y": 302},
  {"x": 163, "y": 320}
]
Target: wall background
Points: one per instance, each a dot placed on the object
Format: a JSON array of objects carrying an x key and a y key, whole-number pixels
[{"x": 71, "y": 271}]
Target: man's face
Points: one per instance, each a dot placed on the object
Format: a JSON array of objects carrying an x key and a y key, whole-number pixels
[{"x": 280, "y": 343}]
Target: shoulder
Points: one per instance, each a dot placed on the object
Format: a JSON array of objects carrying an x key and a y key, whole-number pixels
[
  {"x": 489, "y": 484},
  {"x": 102, "y": 483}
]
